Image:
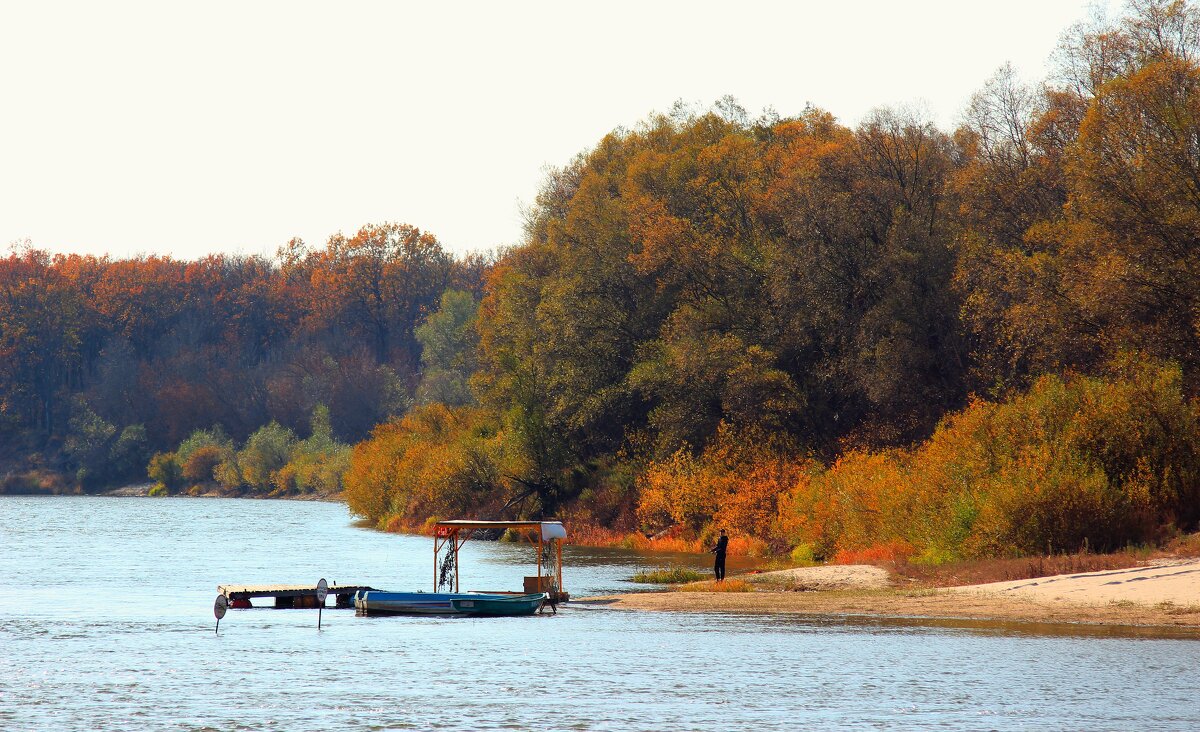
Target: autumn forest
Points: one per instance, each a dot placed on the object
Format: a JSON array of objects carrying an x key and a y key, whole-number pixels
[{"x": 880, "y": 341}]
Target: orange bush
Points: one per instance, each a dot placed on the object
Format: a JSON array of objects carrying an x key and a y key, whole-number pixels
[
  {"x": 892, "y": 551},
  {"x": 735, "y": 483},
  {"x": 1087, "y": 463},
  {"x": 435, "y": 461},
  {"x": 200, "y": 464}
]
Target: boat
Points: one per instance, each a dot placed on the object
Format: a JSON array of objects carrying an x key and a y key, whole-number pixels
[
  {"x": 500, "y": 605},
  {"x": 539, "y": 590},
  {"x": 376, "y": 602}
]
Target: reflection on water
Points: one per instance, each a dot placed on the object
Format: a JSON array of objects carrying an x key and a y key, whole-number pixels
[{"x": 107, "y": 623}]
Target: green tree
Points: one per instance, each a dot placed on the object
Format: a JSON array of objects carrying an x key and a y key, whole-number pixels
[
  {"x": 449, "y": 342},
  {"x": 265, "y": 452}
]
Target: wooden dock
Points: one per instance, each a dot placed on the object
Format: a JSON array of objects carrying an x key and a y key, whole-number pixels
[{"x": 288, "y": 596}]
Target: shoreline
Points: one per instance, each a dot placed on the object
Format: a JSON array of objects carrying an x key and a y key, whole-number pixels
[
  {"x": 142, "y": 490},
  {"x": 942, "y": 605},
  {"x": 1163, "y": 594}
]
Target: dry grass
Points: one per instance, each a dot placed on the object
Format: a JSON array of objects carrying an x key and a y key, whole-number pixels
[
  {"x": 729, "y": 585},
  {"x": 1170, "y": 608},
  {"x": 1185, "y": 546},
  {"x": 977, "y": 572},
  {"x": 668, "y": 576}
]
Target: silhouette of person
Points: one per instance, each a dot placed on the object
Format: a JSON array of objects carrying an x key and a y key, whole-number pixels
[{"x": 719, "y": 551}]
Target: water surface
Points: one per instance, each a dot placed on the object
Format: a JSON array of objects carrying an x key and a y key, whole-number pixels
[{"x": 106, "y": 623}]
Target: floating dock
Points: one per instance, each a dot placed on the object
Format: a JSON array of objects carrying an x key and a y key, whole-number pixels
[{"x": 288, "y": 596}]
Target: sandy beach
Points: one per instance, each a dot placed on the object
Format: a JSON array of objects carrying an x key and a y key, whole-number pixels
[{"x": 1164, "y": 593}]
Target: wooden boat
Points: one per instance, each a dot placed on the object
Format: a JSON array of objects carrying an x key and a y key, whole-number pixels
[
  {"x": 375, "y": 602},
  {"x": 500, "y": 605}
]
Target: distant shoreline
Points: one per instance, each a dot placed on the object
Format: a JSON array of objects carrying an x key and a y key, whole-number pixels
[{"x": 142, "y": 490}]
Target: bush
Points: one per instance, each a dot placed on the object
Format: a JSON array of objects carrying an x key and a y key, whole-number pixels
[
  {"x": 165, "y": 469},
  {"x": 435, "y": 461},
  {"x": 199, "y": 467},
  {"x": 202, "y": 439},
  {"x": 735, "y": 483},
  {"x": 316, "y": 464},
  {"x": 266, "y": 451},
  {"x": 1086, "y": 463},
  {"x": 159, "y": 490}
]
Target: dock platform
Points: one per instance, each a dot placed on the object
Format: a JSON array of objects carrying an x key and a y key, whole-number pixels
[{"x": 288, "y": 596}]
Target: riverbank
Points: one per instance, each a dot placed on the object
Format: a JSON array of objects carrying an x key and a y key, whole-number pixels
[
  {"x": 139, "y": 490},
  {"x": 1164, "y": 593}
]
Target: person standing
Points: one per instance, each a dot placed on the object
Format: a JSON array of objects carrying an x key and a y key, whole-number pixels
[{"x": 719, "y": 551}]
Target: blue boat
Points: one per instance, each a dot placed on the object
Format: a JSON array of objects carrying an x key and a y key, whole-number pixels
[
  {"x": 376, "y": 602},
  {"x": 500, "y": 605}
]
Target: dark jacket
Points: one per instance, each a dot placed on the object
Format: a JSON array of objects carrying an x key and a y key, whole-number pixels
[{"x": 722, "y": 544}]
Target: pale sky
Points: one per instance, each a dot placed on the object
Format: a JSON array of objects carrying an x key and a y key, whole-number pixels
[{"x": 165, "y": 128}]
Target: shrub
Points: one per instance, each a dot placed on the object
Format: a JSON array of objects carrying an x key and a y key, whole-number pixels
[
  {"x": 201, "y": 439},
  {"x": 668, "y": 576},
  {"x": 198, "y": 468},
  {"x": 165, "y": 469},
  {"x": 319, "y": 463},
  {"x": 435, "y": 461},
  {"x": 266, "y": 451},
  {"x": 1087, "y": 462},
  {"x": 734, "y": 483}
]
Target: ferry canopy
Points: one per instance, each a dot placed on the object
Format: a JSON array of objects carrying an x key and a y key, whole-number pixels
[{"x": 548, "y": 529}]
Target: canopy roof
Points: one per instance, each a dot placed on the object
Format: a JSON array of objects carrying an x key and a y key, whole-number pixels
[{"x": 549, "y": 529}]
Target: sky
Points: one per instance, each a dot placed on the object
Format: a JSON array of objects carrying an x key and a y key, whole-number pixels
[{"x": 192, "y": 128}]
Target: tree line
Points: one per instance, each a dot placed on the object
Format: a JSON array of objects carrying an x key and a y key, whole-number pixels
[
  {"x": 718, "y": 318},
  {"x": 103, "y": 362}
]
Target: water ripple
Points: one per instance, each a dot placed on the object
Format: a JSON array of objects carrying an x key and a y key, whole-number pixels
[{"x": 122, "y": 638}]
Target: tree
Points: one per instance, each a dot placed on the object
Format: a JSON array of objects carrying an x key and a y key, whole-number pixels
[{"x": 449, "y": 341}]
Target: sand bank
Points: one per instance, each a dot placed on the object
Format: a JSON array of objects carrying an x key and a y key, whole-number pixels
[
  {"x": 825, "y": 578},
  {"x": 1164, "y": 594},
  {"x": 1173, "y": 581}
]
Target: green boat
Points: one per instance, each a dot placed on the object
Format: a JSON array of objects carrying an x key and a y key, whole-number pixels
[{"x": 494, "y": 606}]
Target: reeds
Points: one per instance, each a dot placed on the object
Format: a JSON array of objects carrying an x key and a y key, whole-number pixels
[{"x": 668, "y": 576}]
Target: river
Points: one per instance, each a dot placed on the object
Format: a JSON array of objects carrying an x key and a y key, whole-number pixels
[{"x": 106, "y": 624}]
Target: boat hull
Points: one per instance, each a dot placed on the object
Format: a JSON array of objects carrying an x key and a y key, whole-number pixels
[
  {"x": 375, "y": 602},
  {"x": 500, "y": 605}
]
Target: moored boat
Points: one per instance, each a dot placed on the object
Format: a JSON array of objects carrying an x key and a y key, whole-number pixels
[
  {"x": 543, "y": 588},
  {"x": 500, "y": 605},
  {"x": 375, "y": 602}
]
